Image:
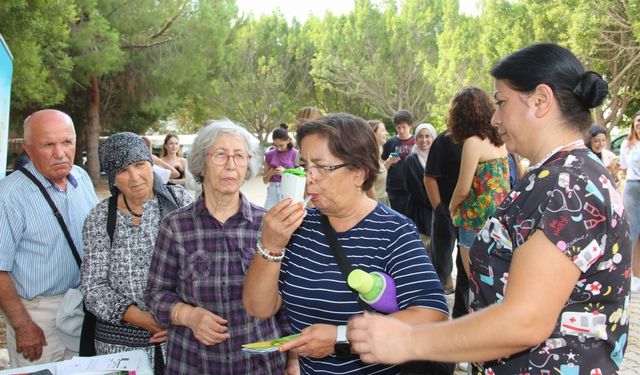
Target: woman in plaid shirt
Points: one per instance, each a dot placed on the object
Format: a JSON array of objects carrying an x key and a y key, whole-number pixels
[{"x": 199, "y": 264}]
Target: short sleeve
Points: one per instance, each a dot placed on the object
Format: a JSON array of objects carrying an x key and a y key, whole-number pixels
[
  {"x": 623, "y": 154},
  {"x": 434, "y": 161},
  {"x": 11, "y": 229},
  {"x": 576, "y": 205}
]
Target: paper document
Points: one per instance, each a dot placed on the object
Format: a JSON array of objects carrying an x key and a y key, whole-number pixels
[
  {"x": 267, "y": 346},
  {"x": 99, "y": 365}
]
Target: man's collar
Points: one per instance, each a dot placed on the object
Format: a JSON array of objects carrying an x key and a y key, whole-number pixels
[{"x": 45, "y": 181}]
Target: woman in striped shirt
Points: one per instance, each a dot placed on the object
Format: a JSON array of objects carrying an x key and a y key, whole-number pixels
[{"x": 297, "y": 267}]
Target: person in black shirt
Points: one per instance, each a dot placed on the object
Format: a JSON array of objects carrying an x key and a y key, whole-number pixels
[
  {"x": 394, "y": 153},
  {"x": 440, "y": 178}
]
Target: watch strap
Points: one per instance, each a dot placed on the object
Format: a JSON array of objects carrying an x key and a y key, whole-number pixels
[{"x": 341, "y": 335}]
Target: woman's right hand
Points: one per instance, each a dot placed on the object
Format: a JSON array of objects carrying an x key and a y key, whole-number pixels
[{"x": 279, "y": 224}]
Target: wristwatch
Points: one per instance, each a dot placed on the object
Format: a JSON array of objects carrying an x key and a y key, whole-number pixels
[{"x": 342, "y": 347}]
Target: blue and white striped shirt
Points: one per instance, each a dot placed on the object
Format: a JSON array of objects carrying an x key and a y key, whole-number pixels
[
  {"x": 315, "y": 291},
  {"x": 33, "y": 248}
]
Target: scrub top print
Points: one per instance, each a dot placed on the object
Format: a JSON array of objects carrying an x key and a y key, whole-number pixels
[{"x": 572, "y": 199}]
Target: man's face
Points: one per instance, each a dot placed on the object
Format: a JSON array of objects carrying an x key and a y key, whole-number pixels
[
  {"x": 404, "y": 130},
  {"x": 50, "y": 142}
]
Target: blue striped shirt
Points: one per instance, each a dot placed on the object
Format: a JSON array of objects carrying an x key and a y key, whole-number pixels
[
  {"x": 315, "y": 291},
  {"x": 33, "y": 248}
]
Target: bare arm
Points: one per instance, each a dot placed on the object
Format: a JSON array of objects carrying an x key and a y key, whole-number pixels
[
  {"x": 539, "y": 271},
  {"x": 433, "y": 193},
  {"x": 468, "y": 165},
  {"x": 260, "y": 292},
  {"x": 29, "y": 336},
  {"x": 268, "y": 173},
  {"x": 181, "y": 181},
  {"x": 161, "y": 163}
]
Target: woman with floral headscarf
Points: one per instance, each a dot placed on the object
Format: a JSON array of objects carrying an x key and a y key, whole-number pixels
[{"x": 115, "y": 266}]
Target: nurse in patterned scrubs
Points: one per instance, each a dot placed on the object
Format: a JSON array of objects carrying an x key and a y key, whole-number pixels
[{"x": 550, "y": 270}]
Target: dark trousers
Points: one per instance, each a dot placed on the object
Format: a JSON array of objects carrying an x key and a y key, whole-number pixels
[
  {"x": 443, "y": 239},
  {"x": 398, "y": 200},
  {"x": 461, "y": 299}
]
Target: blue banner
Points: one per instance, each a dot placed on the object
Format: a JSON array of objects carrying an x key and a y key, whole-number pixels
[{"x": 6, "y": 72}]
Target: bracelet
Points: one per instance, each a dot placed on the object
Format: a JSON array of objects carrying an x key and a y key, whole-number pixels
[
  {"x": 175, "y": 312},
  {"x": 268, "y": 255}
]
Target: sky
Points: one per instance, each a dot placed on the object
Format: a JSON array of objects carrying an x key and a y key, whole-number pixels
[{"x": 300, "y": 9}]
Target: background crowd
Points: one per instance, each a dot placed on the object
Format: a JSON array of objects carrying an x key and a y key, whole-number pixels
[{"x": 190, "y": 278}]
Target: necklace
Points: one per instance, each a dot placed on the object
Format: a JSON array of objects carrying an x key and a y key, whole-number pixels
[{"x": 124, "y": 197}]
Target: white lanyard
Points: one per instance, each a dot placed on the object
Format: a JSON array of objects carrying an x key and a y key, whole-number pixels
[{"x": 578, "y": 143}]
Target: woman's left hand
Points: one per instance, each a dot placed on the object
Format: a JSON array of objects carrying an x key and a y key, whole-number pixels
[
  {"x": 315, "y": 341},
  {"x": 293, "y": 365},
  {"x": 280, "y": 223}
]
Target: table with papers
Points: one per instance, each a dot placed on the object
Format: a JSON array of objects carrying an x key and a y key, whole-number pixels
[{"x": 132, "y": 362}]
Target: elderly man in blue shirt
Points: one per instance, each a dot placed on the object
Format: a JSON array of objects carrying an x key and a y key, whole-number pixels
[{"x": 36, "y": 263}]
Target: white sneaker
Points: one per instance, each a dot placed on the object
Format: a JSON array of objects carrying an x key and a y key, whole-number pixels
[
  {"x": 464, "y": 366},
  {"x": 635, "y": 284}
]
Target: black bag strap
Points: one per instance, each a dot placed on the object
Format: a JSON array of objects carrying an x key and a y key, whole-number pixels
[
  {"x": 56, "y": 213},
  {"x": 111, "y": 217},
  {"x": 341, "y": 258}
]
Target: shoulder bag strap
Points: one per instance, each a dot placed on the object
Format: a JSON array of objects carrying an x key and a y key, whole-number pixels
[
  {"x": 56, "y": 213},
  {"x": 111, "y": 217},
  {"x": 341, "y": 258}
]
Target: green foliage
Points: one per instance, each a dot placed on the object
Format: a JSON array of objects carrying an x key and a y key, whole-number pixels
[
  {"x": 190, "y": 60},
  {"x": 37, "y": 33},
  {"x": 378, "y": 54},
  {"x": 265, "y": 78}
]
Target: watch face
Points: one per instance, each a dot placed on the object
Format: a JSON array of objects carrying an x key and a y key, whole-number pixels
[{"x": 342, "y": 349}]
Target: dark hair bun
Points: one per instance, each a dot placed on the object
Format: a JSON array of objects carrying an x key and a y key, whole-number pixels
[
  {"x": 283, "y": 125},
  {"x": 591, "y": 89}
]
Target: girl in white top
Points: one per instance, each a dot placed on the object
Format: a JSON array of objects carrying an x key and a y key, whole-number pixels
[
  {"x": 630, "y": 163},
  {"x": 171, "y": 154}
]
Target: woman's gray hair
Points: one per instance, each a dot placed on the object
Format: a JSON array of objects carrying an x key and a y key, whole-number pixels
[{"x": 208, "y": 135}]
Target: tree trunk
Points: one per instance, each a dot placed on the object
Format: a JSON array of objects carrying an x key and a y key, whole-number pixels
[{"x": 93, "y": 131}]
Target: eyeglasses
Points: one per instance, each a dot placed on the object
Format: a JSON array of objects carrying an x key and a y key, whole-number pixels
[
  {"x": 321, "y": 171},
  {"x": 222, "y": 158}
]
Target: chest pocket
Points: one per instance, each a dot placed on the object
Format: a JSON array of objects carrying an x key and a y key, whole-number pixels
[{"x": 197, "y": 266}]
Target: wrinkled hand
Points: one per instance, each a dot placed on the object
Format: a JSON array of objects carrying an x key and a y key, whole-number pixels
[
  {"x": 372, "y": 335},
  {"x": 29, "y": 340},
  {"x": 280, "y": 222},
  {"x": 315, "y": 341},
  {"x": 207, "y": 327},
  {"x": 293, "y": 366},
  {"x": 159, "y": 337}
]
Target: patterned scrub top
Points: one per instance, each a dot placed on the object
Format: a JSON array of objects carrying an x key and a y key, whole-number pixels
[
  {"x": 572, "y": 199},
  {"x": 489, "y": 187}
]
